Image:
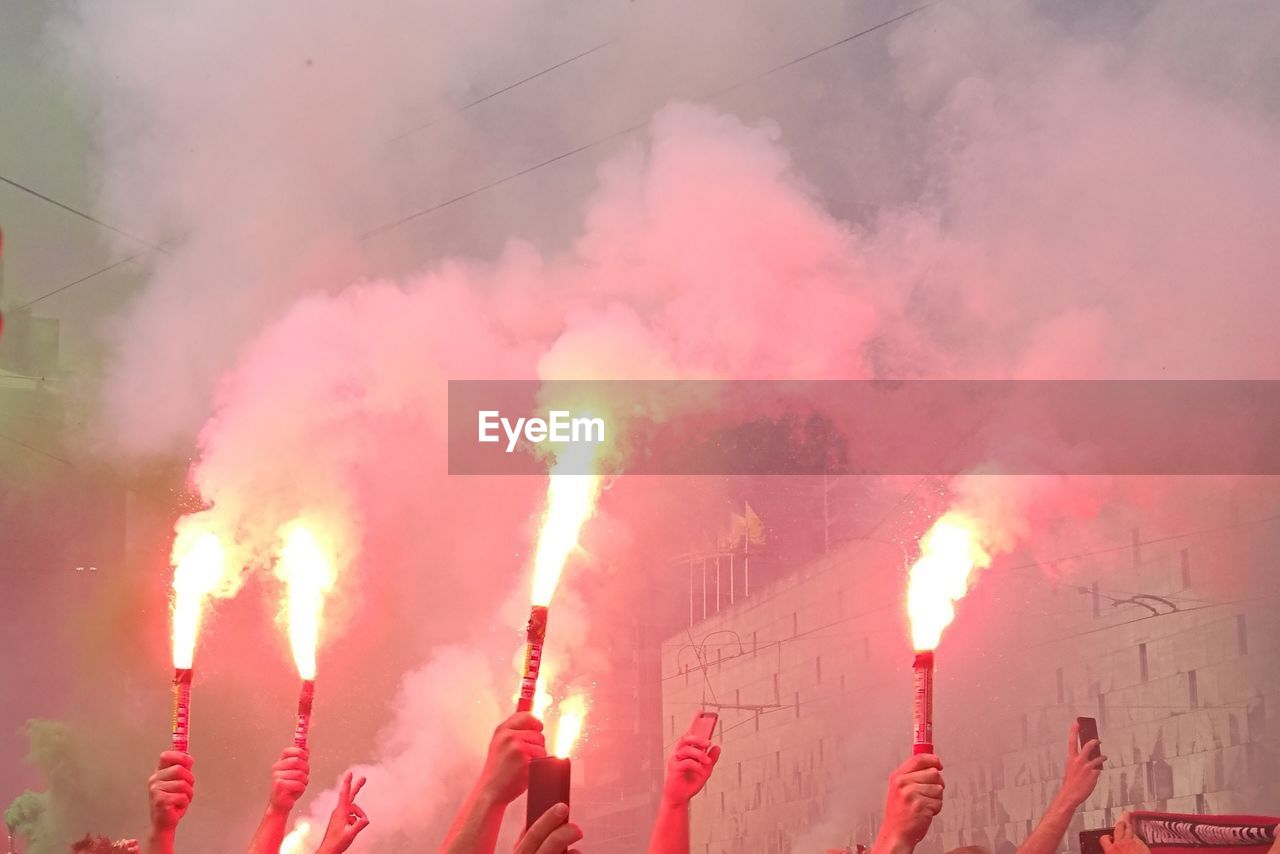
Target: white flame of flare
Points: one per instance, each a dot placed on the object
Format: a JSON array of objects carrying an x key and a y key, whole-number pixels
[
  {"x": 296, "y": 841},
  {"x": 199, "y": 566},
  {"x": 573, "y": 713},
  {"x": 571, "y": 499},
  {"x": 308, "y": 571},
  {"x": 950, "y": 552}
]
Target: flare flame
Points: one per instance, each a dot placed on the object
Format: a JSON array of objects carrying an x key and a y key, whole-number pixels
[
  {"x": 199, "y": 564},
  {"x": 307, "y": 568},
  {"x": 296, "y": 841},
  {"x": 573, "y": 713},
  {"x": 571, "y": 500},
  {"x": 950, "y": 553}
]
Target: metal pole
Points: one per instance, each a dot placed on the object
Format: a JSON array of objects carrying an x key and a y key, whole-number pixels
[
  {"x": 826, "y": 516},
  {"x": 703, "y": 568}
]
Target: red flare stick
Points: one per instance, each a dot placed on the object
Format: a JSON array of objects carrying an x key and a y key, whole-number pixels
[
  {"x": 304, "y": 713},
  {"x": 923, "y": 717},
  {"x": 182, "y": 709},
  {"x": 537, "y": 635}
]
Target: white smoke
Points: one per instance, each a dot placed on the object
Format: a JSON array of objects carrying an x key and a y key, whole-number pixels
[{"x": 980, "y": 190}]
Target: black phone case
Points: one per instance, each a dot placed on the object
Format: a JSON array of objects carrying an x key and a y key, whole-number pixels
[
  {"x": 1088, "y": 732},
  {"x": 548, "y": 786},
  {"x": 1090, "y": 840}
]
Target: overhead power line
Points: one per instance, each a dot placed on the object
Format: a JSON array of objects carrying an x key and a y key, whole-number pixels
[
  {"x": 80, "y": 280},
  {"x": 387, "y": 226},
  {"x": 509, "y": 87},
  {"x": 484, "y": 187},
  {"x": 515, "y": 85},
  {"x": 77, "y": 212}
]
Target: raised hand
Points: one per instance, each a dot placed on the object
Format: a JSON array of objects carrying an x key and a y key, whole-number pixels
[
  {"x": 347, "y": 819},
  {"x": 689, "y": 768},
  {"x": 171, "y": 789},
  {"x": 289, "y": 778},
  {"x": 552, "y": 833},
  {"x": 1082, "y": 773},
  {"x": 915, "y": 797}
]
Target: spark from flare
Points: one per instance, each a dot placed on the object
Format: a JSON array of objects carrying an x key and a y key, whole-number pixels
[
  {"x": 950, "y": 553},
  {"x": 307, "y": 568},
  {"x": 548, "y": 672},
  {"x": 542, "y": 700},
  {"x": 573, "y": 713},
  {"x": 199, "y": 563}
]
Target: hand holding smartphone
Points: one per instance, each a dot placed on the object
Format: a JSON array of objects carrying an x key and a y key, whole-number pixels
[
  {"x": 1089, "y": 732},
  {"x": 704, "y": 725}
]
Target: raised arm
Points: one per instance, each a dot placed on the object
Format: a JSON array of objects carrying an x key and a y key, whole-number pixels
[
  {"x": 170, "y": 791},
  {"x": 289, "y": 777},
  {"x": 516, "y": 742},
  {"x": 347, "y": 819},
  {"x": 1078, "y": 783},
  {"x": 688, "y": 770},
  {"x": 914, "y": 799}
]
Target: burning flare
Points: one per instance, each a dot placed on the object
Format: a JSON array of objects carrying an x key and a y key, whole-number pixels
[
  {"x": 573, "y": 712},
  {"x": 548, "y": 674},
  {"x": 307, "y": 569},
  {"x": 949, "y": 554},
  {"x": 199, "y": 563},
  {"x": 571, "y": 499}
]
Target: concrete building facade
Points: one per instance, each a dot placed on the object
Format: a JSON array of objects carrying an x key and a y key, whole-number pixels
[{"x": 1167, "y": 630}]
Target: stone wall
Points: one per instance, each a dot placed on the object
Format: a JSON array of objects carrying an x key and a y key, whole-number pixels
[{"x": 812, "y": 680}]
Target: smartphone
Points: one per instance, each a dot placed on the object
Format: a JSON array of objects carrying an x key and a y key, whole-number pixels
[
  {"x": 1089, "y": 732},
  {"x": 704, "y": 725},
  {"x": 548, "y": 786},
  {"x": 1091, "y": 840}
]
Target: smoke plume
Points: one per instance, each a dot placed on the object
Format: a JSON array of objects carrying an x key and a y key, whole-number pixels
[{"x": 978, "y": 190}]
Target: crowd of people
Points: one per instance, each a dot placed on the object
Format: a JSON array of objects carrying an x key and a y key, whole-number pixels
[{"x": 915, "y": 797}]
